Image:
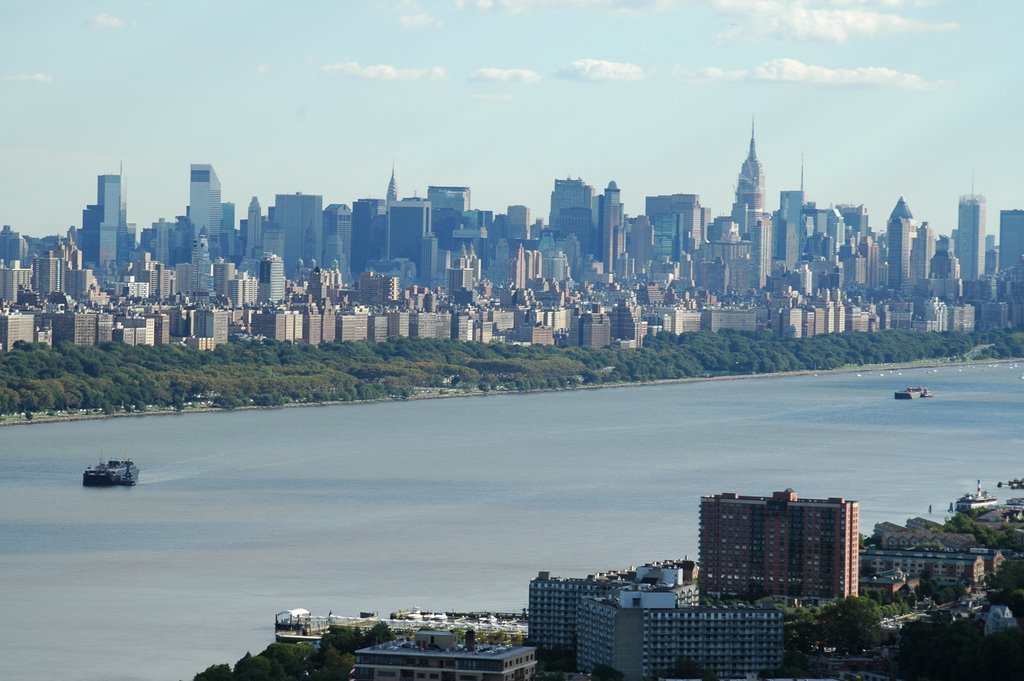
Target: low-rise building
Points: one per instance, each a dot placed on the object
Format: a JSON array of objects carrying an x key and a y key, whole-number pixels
[
  {"x": 435, "y": 656},
  {"x": 943, "y": 567}
]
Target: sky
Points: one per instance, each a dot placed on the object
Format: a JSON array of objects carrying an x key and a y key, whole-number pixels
[{"x": 878, "y": 97}]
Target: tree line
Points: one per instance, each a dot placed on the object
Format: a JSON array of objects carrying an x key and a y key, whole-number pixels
[{"x": 114, "y": 377}]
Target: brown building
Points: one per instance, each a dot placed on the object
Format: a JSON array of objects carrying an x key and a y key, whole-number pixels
[{"x": 779, "y": 545}]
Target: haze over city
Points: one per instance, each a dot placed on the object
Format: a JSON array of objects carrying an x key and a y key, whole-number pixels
[{"x": 880, "y": 98}]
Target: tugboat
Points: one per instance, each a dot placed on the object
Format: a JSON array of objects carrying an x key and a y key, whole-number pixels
[
  {"x": 113, "y": 472},
  {"x": 913, "y": 393},
  {"x": 973, "y": 501}
]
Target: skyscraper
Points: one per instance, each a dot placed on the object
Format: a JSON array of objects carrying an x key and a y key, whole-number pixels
[
  {"x": 970, "y": 236},
  {"x": 392, "y": 194},
  {"x": 454, "y": 198},
  {"x": 271, "y": 279},
  {"x": 1011, "y": 238},
  {"x": 900, "y": 233},
  {"x": 338, "y": 236},
  {"x": 789, "y": 234},
  {"x": 572, "y": 205},
  {"x": 204, "y": 207},
  {"x": 408, "y": 223},
  {"x": 609, "y": 220},
  {"x": 369, "y": 227},
  {"x": 101, "y": 224},
  {"x": 779, "y": 545},
  {"x": 254, "y": 230},
  {"x": 300, "y": 218},
  {"x": 749, "y": 204},
  {"x": 691, "y": 227}
]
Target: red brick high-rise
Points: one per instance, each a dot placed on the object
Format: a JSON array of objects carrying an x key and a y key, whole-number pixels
[{"x": 779, "y": 545}]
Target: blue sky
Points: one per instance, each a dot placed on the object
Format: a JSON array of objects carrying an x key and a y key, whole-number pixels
[{"x": 882, "y": 97}]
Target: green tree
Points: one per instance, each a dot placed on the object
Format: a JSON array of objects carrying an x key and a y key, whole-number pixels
[
  {"x": 216, "y": 672},
  {"x": 852, "y": 625},
  {"x": 603, "y": 672}
]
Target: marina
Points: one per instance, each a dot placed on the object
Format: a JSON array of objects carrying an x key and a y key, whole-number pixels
[{"x": 298, "y": 625}]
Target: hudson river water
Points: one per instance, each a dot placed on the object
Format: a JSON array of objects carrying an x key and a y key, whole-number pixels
[{"x": 440, "y": 504}]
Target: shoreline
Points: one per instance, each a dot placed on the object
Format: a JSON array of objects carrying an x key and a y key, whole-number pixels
[{"x": 445, "y": 393}]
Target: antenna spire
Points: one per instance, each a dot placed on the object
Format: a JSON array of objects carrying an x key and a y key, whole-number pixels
[{"x": 801, "y": 172}]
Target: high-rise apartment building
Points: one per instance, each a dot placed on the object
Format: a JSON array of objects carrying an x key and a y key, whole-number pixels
[
  {"x": 271, "y": 279},
  {"x": 1011, "y": 238},
  {"x": 204, "y": 206},
  {"x": 970, "y": 236},
  {"x": 779, "y": 545},
  {"x": 900, "y": 232}
]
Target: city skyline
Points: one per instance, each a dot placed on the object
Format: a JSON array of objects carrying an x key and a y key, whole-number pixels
[{"x": 878, "y": 98}]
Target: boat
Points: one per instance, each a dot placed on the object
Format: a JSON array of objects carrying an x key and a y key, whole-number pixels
[
  {"x": 913, "y": 393},
  {"x": 113, "y": 472},
  {"x": 979, "y": 499}
]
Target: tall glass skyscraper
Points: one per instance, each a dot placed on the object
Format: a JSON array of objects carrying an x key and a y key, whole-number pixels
[
  {"x": 101, "y": 224},
  {"x": 204, "y": 208},
  {"x": 1011, "y": 238},
  {"x": 970, "y": 236}
]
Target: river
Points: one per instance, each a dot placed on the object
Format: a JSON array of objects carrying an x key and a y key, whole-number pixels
[{"x": 450, "y": 504}]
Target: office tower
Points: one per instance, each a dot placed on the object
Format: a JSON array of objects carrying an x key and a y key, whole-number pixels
[
  {"x": 609, "y": 220},
  {"x": 640, "y": 241},
  {"x": 101, "y": 224},
  {"x": 1011, "y": 238},
  {"x": 572, "y": 206},
  {"x": 749, "y": 205},
  {"x": 779, "y": 545},
  {"x": 338, "y": 236},
  {"x": 204, "y": 207},
  {"x": 408, "y": 221},
  {"x": 900, "y": 232},
  {"x": 392, "y": 194},
  {"x": 300, "y": 218},
  {"x": 692, "y": 227},
  {"x": 518, "y": 222},
  {"x": 369, "y": 226},
  {"x": 970, "y": 236},
  {"x": 922, "y": 252},
  {"x": 228, "y": 234},
  {"x": 254, "y": 230},
  {"x": 223, "y": 272},
  {"x": 789, "y": 234},
  {"x": 453, "y": 198},
  {"x": 270, "y": 285},
  {"x": 855, "y": 217}
]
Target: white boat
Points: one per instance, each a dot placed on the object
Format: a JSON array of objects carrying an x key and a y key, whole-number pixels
[{"x": 979, "y": 499}]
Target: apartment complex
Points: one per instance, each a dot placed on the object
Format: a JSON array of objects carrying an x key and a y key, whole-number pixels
[
  {"x": 779, "y": 545},
  {"x": 643, "y": 634},
  {"x": 555, "y": 600}
]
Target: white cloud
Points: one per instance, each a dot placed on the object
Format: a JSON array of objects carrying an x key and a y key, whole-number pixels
[
  {"x": 384, "y": 71},
  {"x": 787, "y": 70},
  {"x": 505, "y": 75},
  {"x": 262, "y": 69},
  {"x": 599, "y": 69},
  {"x": 616, "y": 6},
  {"x": 420, "y": 20},
  {"x": 488, "y": 97},
  {"x": 44, "y": 78},
  {"x": 813, "y": 20},
  {"x": 107, "y": 21}
]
